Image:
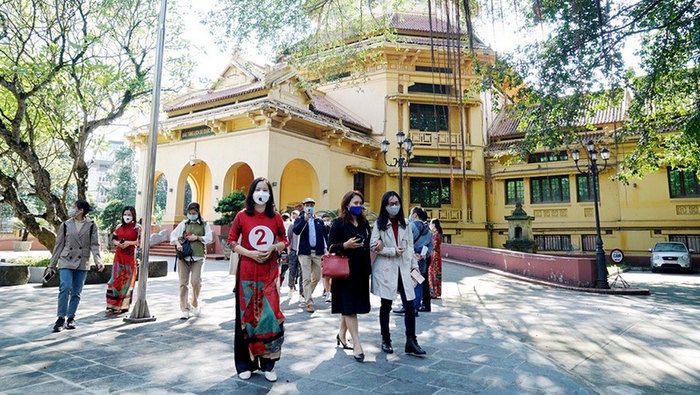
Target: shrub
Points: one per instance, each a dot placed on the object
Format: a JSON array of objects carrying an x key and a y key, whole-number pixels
[
  {"x": 229, "y": 206},
  {"x": 33, "y": 261}
]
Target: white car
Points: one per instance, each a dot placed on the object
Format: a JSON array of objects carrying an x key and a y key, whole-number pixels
[{"x": 667, "y": 255}]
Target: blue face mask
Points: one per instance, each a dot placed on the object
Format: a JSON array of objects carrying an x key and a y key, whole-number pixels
[
  {"x": 309, "y": 210},
  {"x": 356, "y": 210},
  {"x": 192, "y": 217}
]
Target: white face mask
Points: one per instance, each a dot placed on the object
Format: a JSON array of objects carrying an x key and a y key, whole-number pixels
[
  {"x": 71, "y": 212},
  {"x": 393, "y": 210},
  {"x": 261, "y": 197},
  {"x": 127, "y": 219}
]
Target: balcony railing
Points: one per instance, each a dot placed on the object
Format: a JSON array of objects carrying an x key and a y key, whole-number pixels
[
  {"x": 433, "y": 139},
  {"x": 448, "y": 214}
]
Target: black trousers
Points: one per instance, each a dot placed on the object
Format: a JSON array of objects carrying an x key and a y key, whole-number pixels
[{"x": 409, "y": 317}]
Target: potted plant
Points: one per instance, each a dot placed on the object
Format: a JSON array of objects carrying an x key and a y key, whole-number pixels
[
  {"x": 23, "y": 244},
  {"x": 36, "y": 264}
]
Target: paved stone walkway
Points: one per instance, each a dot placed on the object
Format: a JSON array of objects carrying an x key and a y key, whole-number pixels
[{"x": 107, "y": 355}]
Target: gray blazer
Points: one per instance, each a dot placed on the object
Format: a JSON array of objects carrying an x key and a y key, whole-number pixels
[
  {"x": 385, "y": 269},
  {"x": 72, "y": 249}
]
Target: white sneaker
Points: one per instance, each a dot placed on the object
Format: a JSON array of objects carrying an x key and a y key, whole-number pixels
[
  {"x": 271, "y": 375},
  {"x": 328, "y": 297},
  {"x": 196, "y": 311},
  {"x": 245, "y": 375},
  {"x": 185, "y": 315}
]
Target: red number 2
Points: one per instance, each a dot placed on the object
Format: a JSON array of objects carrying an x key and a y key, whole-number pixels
[{"x": 261, "y": 240}]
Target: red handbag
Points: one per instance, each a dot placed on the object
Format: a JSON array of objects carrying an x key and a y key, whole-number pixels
[{"x": 335, "y": 266}]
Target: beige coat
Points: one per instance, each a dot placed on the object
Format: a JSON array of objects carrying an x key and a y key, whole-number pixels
[
  {"x": 385, "y": 269},
  {"x": 73, "y": 250}
]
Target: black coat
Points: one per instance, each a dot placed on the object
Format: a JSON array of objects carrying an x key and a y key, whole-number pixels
[{"x": 301, "y": 228}]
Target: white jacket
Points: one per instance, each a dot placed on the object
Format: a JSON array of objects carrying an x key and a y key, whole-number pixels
[{"x": 385, "y": 269}]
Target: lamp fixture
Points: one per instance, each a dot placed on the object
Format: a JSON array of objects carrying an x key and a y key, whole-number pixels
[
  {"x": 592, "y": 170},
  {"x": 405, "y": 144}
]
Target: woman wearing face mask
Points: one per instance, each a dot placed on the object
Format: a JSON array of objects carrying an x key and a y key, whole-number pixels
[
  {"x": 349, "y": 236},
  {"x": 392, "y": 240},
  {"x": 77, "y": 237},
  {"x": 121, "y": 286},
  {"x": 198, "y": 232},
  {"x": 259, "y": 328}
]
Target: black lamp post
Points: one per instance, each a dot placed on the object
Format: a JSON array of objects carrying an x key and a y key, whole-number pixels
[
  {"x": 592, "y": 170},
  {"x": 405, "y": 144}
]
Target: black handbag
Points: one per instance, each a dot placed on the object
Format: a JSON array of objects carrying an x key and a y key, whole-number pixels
[{"x": 186, "y": 250}]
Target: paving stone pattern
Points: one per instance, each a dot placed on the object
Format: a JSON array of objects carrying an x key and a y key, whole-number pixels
[{"x": 173, "y": 356}]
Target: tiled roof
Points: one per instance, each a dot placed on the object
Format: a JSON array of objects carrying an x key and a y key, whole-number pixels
[
  {"x": 421, "y": 23},
  {"x": 199, "y": 117},
  {"x": 516, "y": 144},
  {"x": 507, "y": 122},
  {"x": 322, "y": 105},
  {"x": 204, "y": 97}
]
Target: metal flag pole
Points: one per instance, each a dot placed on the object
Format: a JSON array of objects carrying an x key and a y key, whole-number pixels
[{"x": 140, "y": 312}]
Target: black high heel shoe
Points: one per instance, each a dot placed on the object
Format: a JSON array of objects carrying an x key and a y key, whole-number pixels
[
  {"x": 359, "y": 357},
  {"x": 345, "y": 346}
]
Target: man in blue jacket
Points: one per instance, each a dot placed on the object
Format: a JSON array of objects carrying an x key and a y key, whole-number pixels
[{"x": 311, "y": 248}]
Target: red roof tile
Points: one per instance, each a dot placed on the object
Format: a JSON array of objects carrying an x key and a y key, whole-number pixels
[
  {"x": 507, "y": 122},
  {"x": 421, "y": 23},
  {"x": 205, "y": 97}
]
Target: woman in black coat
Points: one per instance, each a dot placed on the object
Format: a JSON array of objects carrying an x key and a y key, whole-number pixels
[{"x": 349, "y": 236}]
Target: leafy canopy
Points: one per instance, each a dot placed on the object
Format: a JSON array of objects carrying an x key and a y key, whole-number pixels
[
  {"x": 67, "y": 69},
  {"x": 572, "y": 66}
]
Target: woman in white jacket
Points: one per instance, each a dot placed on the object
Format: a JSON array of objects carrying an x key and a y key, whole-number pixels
[{"x": 392, "y": 240}]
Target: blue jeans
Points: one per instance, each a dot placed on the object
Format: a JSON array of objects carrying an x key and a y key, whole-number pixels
[{"x": 69, "y": 289}]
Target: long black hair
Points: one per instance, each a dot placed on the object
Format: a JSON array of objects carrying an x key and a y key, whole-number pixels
[
  {"x": 383, "y": 219},
  {"x": 250, "y": 203},
  {"x": 132, "y": 210}
]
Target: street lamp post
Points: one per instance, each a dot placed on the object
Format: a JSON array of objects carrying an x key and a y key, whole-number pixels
[
  {"x": 405, "y": 144},
  {"x": 592, "y": 170}
]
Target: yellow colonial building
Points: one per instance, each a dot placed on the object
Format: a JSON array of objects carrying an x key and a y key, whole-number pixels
[
  {"x": 324, "y": 141},
  {"x": 664, "y": 206}
]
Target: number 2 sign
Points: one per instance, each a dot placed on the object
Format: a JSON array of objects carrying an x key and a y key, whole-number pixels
[{"x": 261, "y": 238}]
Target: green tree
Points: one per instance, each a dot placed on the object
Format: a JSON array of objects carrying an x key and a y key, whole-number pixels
[
  {"x": 575, "y": 69},
  {"x": 578, "y": 68},
  {"x": 123, "y": 177},
  {"x": 111, "y": 215},
  {"x": 161, "y": 194},
  {"x": 67, "y": 68},
  {"x": 229, "y": 206}
]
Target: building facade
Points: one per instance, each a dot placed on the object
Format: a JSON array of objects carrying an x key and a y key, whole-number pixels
[{"x": 322, "y": 142}]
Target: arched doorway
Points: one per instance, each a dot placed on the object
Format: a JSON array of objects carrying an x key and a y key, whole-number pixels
[
  {"x": 194, "y": 185},
  {"x": 299, "y": 180},
  {"x": 238, "y": 177}
]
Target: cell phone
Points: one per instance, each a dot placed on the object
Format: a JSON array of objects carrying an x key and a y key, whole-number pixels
[
  {"x": 121, "y": 241},
  {"x": 48, "y": 275},
  {"x": 362, "y": 239}
]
